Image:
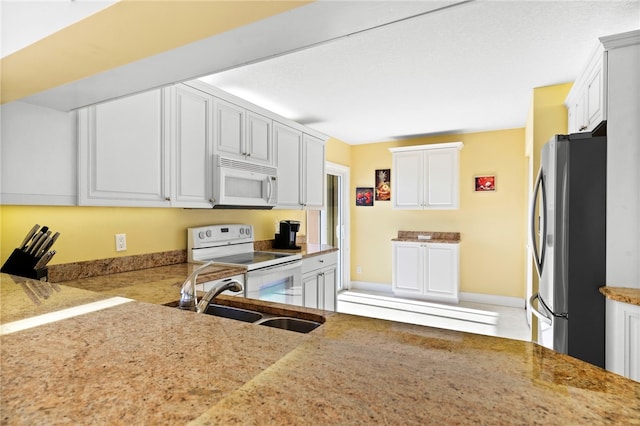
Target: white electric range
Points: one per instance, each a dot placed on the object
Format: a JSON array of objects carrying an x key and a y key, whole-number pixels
[{"x": 272, "y": 276}]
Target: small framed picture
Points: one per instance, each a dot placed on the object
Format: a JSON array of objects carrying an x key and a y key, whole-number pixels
[
  {"x": 485, "y": 183},
  {"x": 364, "y": 196},
  {"x": 383, "y": 185}
]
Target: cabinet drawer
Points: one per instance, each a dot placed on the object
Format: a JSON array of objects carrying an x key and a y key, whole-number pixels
[{"x": 314, "y": 263}]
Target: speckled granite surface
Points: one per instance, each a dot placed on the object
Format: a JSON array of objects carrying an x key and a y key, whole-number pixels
[
  {"x": 436, "y": 237},
  {"x": 141, "y": 363},
  {"x": 622, "y": 294}
]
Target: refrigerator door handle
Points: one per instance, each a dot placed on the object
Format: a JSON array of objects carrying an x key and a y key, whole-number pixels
[
  {"x": 538, "y": 257},
  {"x": 546, "y": 316}
]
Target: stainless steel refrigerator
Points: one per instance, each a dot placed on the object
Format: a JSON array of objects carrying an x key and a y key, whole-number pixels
[{"x": 568, "y": 238}]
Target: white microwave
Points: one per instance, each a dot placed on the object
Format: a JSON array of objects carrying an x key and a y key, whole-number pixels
[{"x": 242, "y": 184}]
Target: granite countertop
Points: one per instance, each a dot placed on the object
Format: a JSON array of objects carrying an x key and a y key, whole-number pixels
[
  {"x": 622, "y": 294},
  {"x": 428, "y": 237},
  {"x": 143, "y": 363}
]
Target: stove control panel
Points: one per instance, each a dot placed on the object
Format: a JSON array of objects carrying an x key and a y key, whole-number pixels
[{"x": 219, "y": 235}]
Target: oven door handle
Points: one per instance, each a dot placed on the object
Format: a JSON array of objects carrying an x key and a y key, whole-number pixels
[{"x": 280, "y": 266}]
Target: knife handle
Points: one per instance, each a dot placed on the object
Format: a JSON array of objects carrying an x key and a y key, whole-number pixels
[{"x": 29, "y": 236}]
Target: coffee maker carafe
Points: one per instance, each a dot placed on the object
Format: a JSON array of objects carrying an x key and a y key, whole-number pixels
[{"x": 286, "y": 239}]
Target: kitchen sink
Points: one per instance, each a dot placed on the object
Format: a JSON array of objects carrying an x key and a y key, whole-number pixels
[
  {"x": 291, "y": 324},
  {"x": 273, "y": 319},
  {"x": 233, "y": 313}
]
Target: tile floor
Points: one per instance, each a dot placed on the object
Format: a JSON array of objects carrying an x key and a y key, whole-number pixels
[{"x": 491, "y": 320}]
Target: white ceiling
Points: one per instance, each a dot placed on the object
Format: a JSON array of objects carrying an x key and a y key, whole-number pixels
[
  {"x": 469, "y": 67},
  {"x": 365, "y": 71}
]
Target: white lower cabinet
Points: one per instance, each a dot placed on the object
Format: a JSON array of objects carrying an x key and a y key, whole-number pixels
[
  {"x": 622, "y": 354},
  {"x": 426, "y": 270},
  {"x": 319, "y": 281}
]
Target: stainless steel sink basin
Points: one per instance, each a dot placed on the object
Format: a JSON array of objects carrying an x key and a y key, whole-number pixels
[
  {"x": 233, "y": 313},
  {"x": 292, "y": 324}
]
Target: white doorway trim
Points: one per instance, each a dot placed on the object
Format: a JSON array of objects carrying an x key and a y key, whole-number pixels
[{"x": 344, "y": 254}]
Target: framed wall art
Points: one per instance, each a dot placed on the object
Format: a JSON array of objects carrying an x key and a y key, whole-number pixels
[
  {"x": 364, "y": 196},
  {"x": 485, "y": 183},
  {"x": 383, "y": 185}
]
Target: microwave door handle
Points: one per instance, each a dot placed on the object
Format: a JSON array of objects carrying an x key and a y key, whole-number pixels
[
  {"x": 269, "y": 178},
  {"x": 543, "y": 315},
  {"x": 538, "y": 257}
]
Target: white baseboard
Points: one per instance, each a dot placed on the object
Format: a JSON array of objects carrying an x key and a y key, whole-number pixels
[
  {"x": 489, "y": 299},
  {"x": 367, "y": 286}
]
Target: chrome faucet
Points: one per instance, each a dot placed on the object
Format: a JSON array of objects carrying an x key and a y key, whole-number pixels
[{"x": 189, "y": 299}]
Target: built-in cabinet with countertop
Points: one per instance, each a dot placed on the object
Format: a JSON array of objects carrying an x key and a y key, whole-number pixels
[
  {"x": 157, "y": 149},
  {"x": 319, "y": 281},
  {"x": 426, "y": 176},
  {"x": 426, "y": 266}
]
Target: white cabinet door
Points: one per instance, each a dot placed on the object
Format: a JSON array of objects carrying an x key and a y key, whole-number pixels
[
  {"x": 408, "y": 268},
  {"x": 310, "y": 290},
  {"x": 123, "y": 152},
  {"x": 329, "y": 289},
  {"x": 192, "y": 148},
  {"x": 288, "y": 153},
  {"x": 441, "y": 272},
  {"x": 258, "y": 138},
  {"x": 426, "y": 270},
  {"x": 441, "y": 178},
  {"x": 313, "y": 172},
  {"x": 229, "y": 124},
  {"x": 407, "y": 181}
]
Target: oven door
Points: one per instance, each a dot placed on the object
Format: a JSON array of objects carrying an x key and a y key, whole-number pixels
[{"x": 279, "y": 283}]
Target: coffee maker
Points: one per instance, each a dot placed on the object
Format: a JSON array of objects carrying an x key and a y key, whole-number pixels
[{"x": 286, "y": 239}]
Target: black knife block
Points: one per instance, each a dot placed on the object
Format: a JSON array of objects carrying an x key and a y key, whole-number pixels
[{"x": 23, "y": 264}]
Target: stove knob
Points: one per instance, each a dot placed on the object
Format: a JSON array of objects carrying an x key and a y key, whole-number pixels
[
  {"x": 209, "y": 233},
  {"x": 248, "y": 232},
  {"x": 201, "y": 235},
  {"x": 241, "y": 231}
]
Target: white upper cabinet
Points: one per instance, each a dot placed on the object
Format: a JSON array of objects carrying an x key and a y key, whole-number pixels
[
  {"x": 426, "y": 176},
  {"x": 191, "y": 148},
  {"x": 300, "y": 163},
  {"x": 39, "y": 155},
  {"x": 242, "y": 133},
  {"x": 123, "y": 152},
  {"x": 587, "y": 101}
]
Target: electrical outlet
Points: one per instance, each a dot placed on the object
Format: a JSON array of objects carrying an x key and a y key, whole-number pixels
[
  {"x": 358, "y": 269},
  {"x": 121, "y": 242}
]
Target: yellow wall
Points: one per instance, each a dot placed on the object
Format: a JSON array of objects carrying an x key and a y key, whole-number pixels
[
  {"x": 490, "y": 223},
  {"x": 338, "y": 152},
  {"x": 88, "y": 233}
]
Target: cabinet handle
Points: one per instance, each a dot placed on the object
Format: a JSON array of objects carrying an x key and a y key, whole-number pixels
[
  {"x": 321, "y": 261},
  {"x": 167, "y": 198},
  {"x": 582, "y": 128}
]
